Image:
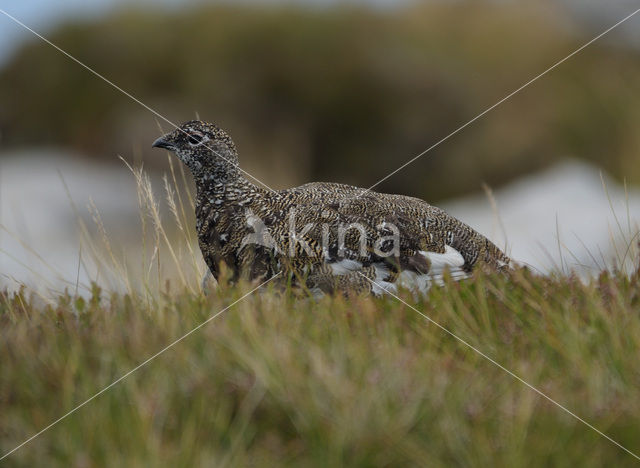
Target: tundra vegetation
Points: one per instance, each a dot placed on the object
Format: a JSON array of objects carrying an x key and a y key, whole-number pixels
[{"x": 281, "y": 378}]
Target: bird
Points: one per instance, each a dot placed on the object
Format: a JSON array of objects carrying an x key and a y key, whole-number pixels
[{"x": 321, "y": 236}]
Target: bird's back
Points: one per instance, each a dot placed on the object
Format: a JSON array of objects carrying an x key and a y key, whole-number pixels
[
  {"x": 422, "y": 224},
  {"x": 430, "y": 241}
]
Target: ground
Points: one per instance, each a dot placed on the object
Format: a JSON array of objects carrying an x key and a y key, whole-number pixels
[{"x": 279, "y": 379}]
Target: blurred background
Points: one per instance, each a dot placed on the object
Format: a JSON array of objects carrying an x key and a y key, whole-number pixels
[{"x": 324, "y": 90}]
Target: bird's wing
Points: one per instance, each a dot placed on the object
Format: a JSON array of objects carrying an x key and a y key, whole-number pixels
[
  {"x": 430, "y": 241},
  {"x": 418, "y": 257}
]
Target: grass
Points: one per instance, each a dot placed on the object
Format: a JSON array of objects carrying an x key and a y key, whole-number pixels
[
  {"x": 280, "y": 380},
  {"x": 284, "y": 380}
]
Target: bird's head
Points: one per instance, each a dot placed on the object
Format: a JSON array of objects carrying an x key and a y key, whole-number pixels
[{"x": 200, "y": 145}]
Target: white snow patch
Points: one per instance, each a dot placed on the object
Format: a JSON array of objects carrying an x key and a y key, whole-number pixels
[
  {"x": 39, "y": 237},
  {"x": 566, "y": 201}
]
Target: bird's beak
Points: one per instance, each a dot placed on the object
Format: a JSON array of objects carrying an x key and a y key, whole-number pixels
[{"x": 162, "y": 143}]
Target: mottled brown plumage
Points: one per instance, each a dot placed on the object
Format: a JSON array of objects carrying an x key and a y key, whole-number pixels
[{"x": 300, "y": 231}]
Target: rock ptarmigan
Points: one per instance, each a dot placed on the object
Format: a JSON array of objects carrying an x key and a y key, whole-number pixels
[{"x": 324, "y": 236}]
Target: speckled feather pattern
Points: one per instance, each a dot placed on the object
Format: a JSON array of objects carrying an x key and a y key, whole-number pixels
[{"x": 230, "y": 208}]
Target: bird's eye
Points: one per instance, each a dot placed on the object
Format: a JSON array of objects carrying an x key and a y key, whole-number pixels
[{"x": 195, "y": 139}]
